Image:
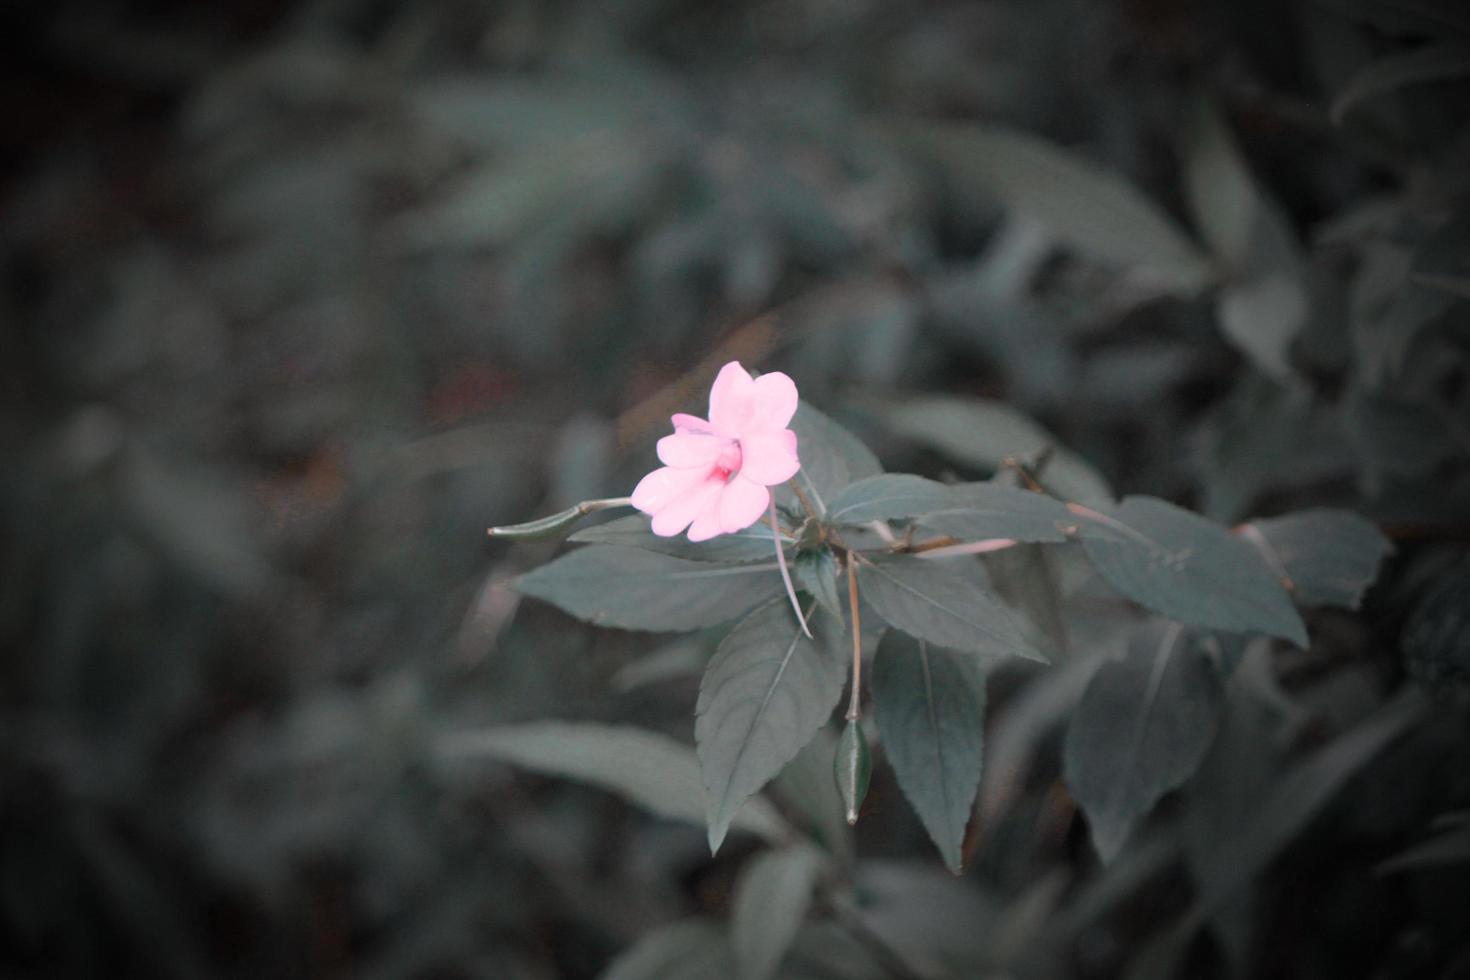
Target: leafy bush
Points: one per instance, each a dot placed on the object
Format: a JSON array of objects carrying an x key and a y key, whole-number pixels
[{"x": 299, "y": 298}]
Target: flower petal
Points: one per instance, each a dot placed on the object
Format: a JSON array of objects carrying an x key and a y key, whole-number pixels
[
  {"x": 731, "y": 400},
  {"x": 664, "y": 485},
  {"x": 685, "y": 448},
  {"x": 707, "y": 524},
  {"x": 775, "y": 401},
  {"x": 741, "y": 504},
  {"x": 690, "y": 423},
  {"x": 680, "y": 511},
  {"x": 769, "y": 458}
]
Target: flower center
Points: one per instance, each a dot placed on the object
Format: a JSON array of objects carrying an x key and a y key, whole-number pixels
[{"x": 727, "y": 464}]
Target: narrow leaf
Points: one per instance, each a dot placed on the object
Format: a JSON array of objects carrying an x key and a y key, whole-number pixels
[
  {"x": 930, "y": 707},
  {"x": 610, "y": 585},
  {"x": 1330, "y": 556},
  {"x": 772, "y": 896},
  {"x": 1430, "y": 63},
  {"x": 765, "y": 693},
  {"x": 967, "y": 511},
  {"x": 1142, "y": 729},
  {"x": 816, "y": 572},
  {"x": 1188, "y": 568},
  {"x": 1088, "y": 207},
  {"x": 648, "y": 769},
  {"x": 983, "y": 433},
  {"x": 933, "y": 602}
]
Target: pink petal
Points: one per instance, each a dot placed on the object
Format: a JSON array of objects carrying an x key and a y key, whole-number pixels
[
  {"x": 741, "y": 504},
  {"x": 731, "y": 400},
  {"x": 775, "y": 401},
  {"x": 658, "y": 489},
  {"x": 690, "y": 423},
  {"x": 676, "y": 516},
  {"x": 685, "y": 448},
  {"x": 707, "y": 524},
  {"x": 769, "y": 458}
]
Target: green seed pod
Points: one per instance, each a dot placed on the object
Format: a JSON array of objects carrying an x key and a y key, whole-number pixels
[{"x": 852, "y": 767}]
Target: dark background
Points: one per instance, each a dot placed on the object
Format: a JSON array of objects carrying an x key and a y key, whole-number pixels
[{"x": 299, "y": 298}]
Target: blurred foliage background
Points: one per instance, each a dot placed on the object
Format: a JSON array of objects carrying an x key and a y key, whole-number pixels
[{"x": 299, "y": 298}]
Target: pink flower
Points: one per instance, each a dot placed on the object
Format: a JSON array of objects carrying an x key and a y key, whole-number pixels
[{"x": 716, "y": 473}]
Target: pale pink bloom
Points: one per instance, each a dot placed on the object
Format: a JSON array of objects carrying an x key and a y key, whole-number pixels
[{"x": 716, "y": 473}]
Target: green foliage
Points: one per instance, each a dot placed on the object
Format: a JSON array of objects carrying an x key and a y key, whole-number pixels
[
  {"x": 630, "y": 588},
  {"x": 1142, "y": 728},
  {"x": 763, "y": 696},
  {"x": 300, "y": 298},
  {"x": 770, "y": 903},
  {"x": 1187, "y": 567},
  {"x": 930, "y": 706}
]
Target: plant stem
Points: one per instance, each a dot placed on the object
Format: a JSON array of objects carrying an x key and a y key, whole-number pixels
[
  {"x": 786, "y": 575},
  {"x": 805, "y": 501}
]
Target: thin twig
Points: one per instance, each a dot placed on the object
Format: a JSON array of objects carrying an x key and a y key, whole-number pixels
[
  {"x": 786, "y": 576},
  {"x": 805, "y": 502}
]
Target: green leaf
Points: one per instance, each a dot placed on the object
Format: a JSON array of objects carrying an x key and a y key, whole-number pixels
[
  {"x": 852, "y": 769},
  {"x": 831, "y": 458},
  {"x": 969, "y": 511},
  {"x": 751, "y": 544},
  {"x": 1027, "y": 578},
  {"x": 1188, "y": 568},
  {"x": 1299, "y": 795},
  {"x": 984, "y": 433},
  {"x": 1330, "y": 556},
  {"x": 766, "y": 691},
  {"x": 985, "y": 510},
  {"x": 888, "y": 495},
  {"x": 934, "y": 602},
  {"x": 649, "y": 770},
  {"x": 1431, "y": 63},
  {"x": 1452, "y": 846},
  {"x": 630, "y": 588},
  {"x": 691, "y": 949},
  {"x": 806, "y": 786},
  {"x": 772, "y": 896},
  {"x": 930, "y": 708},
  {"x": 1142, "y": 728},
  {"x": 1265, "y": 305},
  {"x": 816, "y": 572},
  {"x": 1090, "y": 208}
]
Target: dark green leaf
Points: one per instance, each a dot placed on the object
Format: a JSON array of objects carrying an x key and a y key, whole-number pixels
[
  {"x": 969, "y": 511},
  {"x": 650, "y": 770},
  {"x": 764, "y": 695},
  {"x": 634, "y": 589},
  {"x": 772, "y": 896},
  {"x": 806, "y": 785},
  {"x": 1141, "y": 730},
  {"x": 691, "y": 949},
  {"x": 930, "y": 708},
  {"x": 1430, "y": 63},
  {"x": 1188, "y": 568},
  {"x": 816, "y": 572},
  {"x": 751, "y": 544},
  {"x": 831, "y": 458},
  {"x": 1084, "y": 205},
  {"x": 936, "y": 602},
  {"x": 1330, "y": 556},
  {"x": 1027, "y": 578},
  {"x": 984, "y": 433}
]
